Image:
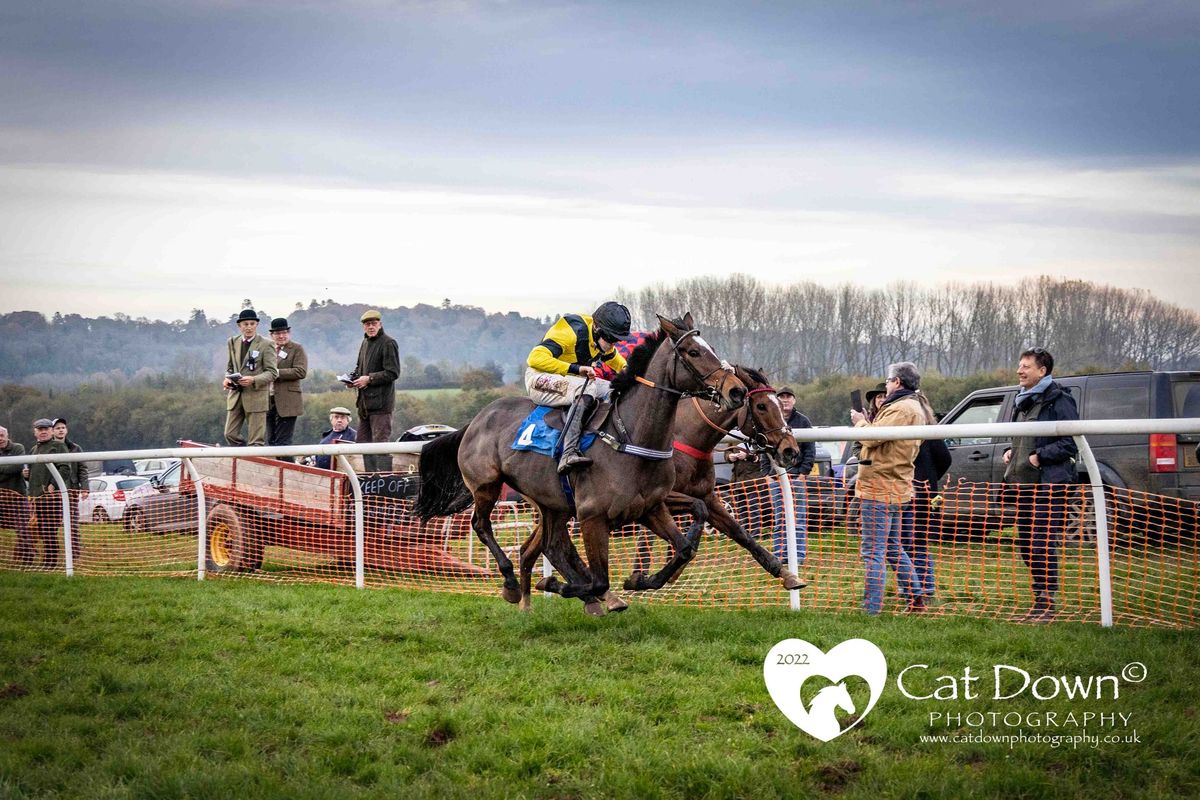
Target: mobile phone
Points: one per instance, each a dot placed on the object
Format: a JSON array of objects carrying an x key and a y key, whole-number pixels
[{"x": 856, "y": 400}]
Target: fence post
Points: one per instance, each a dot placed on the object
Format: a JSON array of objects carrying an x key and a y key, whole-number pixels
[
  {"x": 68, "y": 556},
  {"x": 1101, "y": 506},
  {"x": 359, "y": 574},
  {"x": 201, "y": 519},
  {"x": 789, "y": 527}
]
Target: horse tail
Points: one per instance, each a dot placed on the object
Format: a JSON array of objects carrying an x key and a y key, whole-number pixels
[{"x": 443, "y": 491}]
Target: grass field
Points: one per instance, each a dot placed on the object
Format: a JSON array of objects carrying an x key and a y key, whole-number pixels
[{"x": 165, "y": 688}]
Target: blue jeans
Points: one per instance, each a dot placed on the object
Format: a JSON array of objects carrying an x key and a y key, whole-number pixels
[
  {"x": 882, "y": 531},
  {"x": 914, "y": 538},
  {"x": 800, "y": 503}
]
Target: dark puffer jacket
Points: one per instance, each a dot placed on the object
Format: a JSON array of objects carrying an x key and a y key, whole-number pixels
[{"x": 1056, "y": 454}]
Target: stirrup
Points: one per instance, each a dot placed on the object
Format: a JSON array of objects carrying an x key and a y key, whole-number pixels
[{"x": 570, "y": 461}]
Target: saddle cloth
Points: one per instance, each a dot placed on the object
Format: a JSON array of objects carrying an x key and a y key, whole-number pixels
[{"x": 542, "y": 430}]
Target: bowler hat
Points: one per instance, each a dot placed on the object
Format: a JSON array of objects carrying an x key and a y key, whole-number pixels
[
  {"x": 880, "y": 388},
  {"x": 43, "y": 423},
  {"x": 279, "y": 324},
  {"x": 370, "y": 315},
  {"x": 340, "y": 410},
  {"x": 248, "y": 315}
]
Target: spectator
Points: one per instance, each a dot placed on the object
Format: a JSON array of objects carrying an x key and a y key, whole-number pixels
[
  {"x": 287, "y": 401},
  {"x": 562, "y": 370},
  {"x": 252, "y": 359},
  {"x": 747, "y": 466},
  {"x": 797, "y": 476},
  {"x": 1041, "y": 467},
  {"x": 14, "y": 500},
  {"x": 339, "y": 432},
  {"x": 76, "y": 477},
  {"x": 884, "y": 488},
  {"x": 78, "y": 470},
  {"x": 375, "y": 378},
  {"x": 932, "y": 462},
  {"x": 43, "y": 494}
]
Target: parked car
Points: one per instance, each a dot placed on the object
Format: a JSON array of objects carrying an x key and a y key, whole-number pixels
[
  {"x": 1158, "y": 464},
  {"x": 160, "y": 506},
  {"x": 154, "y": 466},
  {"x": 106, "y": 497}
]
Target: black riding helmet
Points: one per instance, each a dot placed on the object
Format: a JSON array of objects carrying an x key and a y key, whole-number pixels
[{"x": 611, "y": 321}]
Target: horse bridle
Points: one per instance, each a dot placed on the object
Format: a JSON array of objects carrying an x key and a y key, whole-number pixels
[
  {"x": 713, "y": 393},
  {"x": 759, "y": 438}
]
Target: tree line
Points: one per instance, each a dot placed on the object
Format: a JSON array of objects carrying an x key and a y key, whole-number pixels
[
  {"x": 805, "y": 331},
  {"x": 438, "y": 345},
  {"x": 158, "y": 414}
]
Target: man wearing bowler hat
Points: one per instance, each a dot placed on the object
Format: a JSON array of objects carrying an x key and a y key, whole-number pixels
[
  {"x": 375, "y": 378},
  {"x": 287, "y": 401},
  {"x": 250, "y": 370}
]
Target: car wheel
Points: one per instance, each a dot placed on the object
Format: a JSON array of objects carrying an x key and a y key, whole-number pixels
[
  {"x": 100, "y": 516},
  {"x": 231, "y": 547},
  {"x": 134, "y": 521}
]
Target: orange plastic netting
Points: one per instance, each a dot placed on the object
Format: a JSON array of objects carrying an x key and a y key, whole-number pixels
[{"x": 280, "y": 522}]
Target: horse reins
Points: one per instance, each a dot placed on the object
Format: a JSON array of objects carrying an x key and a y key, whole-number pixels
[
  {"x": 758, "y": 440},
  {"x": 621, "y": 442}
]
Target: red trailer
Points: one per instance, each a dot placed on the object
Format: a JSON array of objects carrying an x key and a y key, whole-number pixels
[{"x": 257, "y": 502}]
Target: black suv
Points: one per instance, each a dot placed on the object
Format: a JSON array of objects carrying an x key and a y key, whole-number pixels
[{"x": 1159, "y": 464}]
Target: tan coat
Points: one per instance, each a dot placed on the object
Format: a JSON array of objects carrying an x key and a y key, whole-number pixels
[
  {"x": 888, "y": 478},
  {"x": 264, "y": 371},
  {"x": 293, "y": 366}
]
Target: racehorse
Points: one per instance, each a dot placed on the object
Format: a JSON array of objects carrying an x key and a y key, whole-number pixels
[
  {"x": 627, "y": 483},
  {"x": 697, "y": 433}
]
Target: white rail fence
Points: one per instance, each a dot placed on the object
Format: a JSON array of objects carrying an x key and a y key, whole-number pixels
[{"x": 1078, "y": 430}]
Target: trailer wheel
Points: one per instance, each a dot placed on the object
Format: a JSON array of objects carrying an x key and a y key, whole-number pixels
[{"x": 231, "y": 547}]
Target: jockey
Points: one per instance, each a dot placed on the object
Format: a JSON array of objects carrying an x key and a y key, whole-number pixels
[{"x": 560, "y": 370}]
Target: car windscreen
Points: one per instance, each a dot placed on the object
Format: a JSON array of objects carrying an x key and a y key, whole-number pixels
[{"x": 129, "y": 483}]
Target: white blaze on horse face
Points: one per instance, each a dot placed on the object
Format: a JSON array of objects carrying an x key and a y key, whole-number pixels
[
  {"x": 698, "y": 339},
  {"x": 775, "y": 400}
]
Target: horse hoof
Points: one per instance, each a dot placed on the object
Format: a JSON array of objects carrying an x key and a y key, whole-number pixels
[
  {"x": 635, "y": 581},
  {"x": 613, "y": 602},
  {"x": 791, "y": 580},
  {"x": 542, "y": 584},
  {"x": 525, "y": 605},
  {"x": 511, "y": 595},
  {"x": 595, "y": 609}
]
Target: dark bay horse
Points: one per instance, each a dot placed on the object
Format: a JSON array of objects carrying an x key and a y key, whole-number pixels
[
  {"x": 699, "y": 428},
  {"x": 619, "y": 487}
]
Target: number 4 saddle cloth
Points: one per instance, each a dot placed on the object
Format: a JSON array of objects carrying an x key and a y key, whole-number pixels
[{"x": 542, "y": 430}]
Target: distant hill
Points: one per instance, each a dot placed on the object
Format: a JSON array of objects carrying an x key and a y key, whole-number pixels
[{"x": 66, "y": 350}]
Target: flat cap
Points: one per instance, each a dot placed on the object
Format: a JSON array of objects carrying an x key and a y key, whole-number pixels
[
  {"x": 340, "y": 410},
  {"x": 785, "y": 390},
  {"x": 370, "y": 315},
  {"x": 43, "y": 423}
]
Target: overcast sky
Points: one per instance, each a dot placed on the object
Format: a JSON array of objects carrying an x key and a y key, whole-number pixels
[{"x": 159, "y": 156}]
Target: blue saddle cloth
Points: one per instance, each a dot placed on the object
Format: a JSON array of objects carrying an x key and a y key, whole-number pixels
[{"x": 536, "y": 435}]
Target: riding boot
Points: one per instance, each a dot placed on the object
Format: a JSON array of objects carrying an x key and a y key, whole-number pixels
[{"x": 572, "y": 456}]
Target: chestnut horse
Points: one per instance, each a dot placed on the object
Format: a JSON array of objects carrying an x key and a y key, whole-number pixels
[{"x": 628, "y": 483}]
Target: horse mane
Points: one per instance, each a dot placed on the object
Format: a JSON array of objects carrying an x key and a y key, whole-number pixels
[
  {"x": 755, "y": 375},
  {"x": 639, "y": 361}
]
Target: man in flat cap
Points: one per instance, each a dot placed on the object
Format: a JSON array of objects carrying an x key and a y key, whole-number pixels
[
  {"x": 375, "y": 379},
  {"x": 287, "y": 401},
  {"x": 250, "y": 370},
  {"x": 339, "y": 432},
  {"x": 45, "y": 498}
]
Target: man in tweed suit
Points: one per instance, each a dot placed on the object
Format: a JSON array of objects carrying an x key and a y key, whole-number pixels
[
  {"x": 247, "y": 400},
  {"x": 287, "y": 401}
]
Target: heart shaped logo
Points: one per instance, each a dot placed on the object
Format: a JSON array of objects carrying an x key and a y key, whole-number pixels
[{"x": 791, "y": 662}]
